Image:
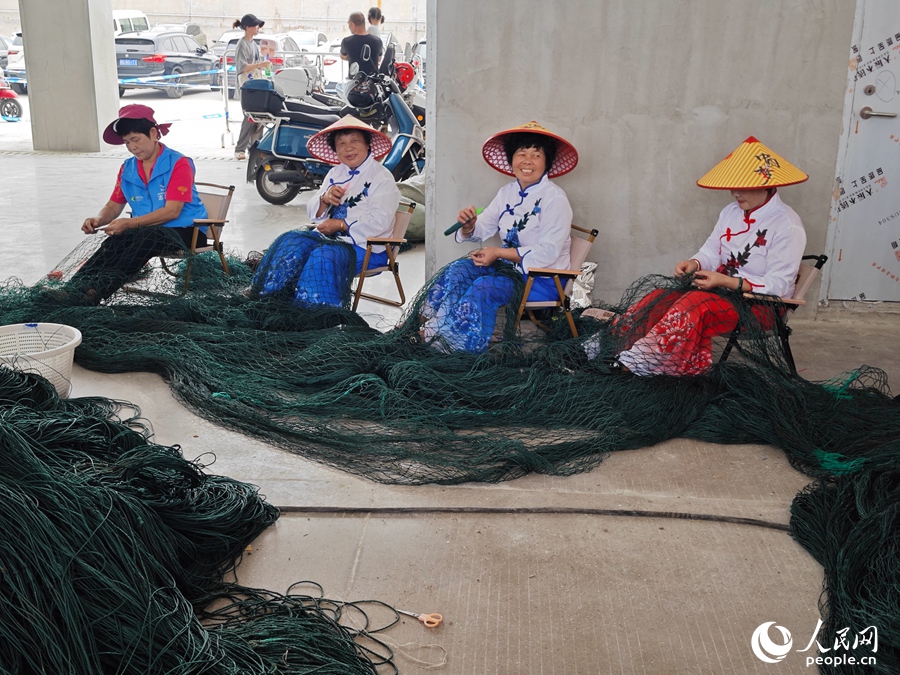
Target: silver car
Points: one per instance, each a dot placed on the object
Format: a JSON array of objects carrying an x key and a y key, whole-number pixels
[{"x": 4, "y": 51}]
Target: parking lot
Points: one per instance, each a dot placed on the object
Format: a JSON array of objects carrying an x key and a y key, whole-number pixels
[{"x": 198, "y": 116}]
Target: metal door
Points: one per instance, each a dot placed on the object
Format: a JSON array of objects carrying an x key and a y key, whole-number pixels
[{"x": 864, "y": 230}]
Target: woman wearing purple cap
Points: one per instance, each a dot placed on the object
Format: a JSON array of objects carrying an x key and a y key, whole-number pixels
[{"x": 157, "y": 183}]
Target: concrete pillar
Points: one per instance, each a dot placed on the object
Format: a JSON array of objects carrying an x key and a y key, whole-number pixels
[{"x": 71, "y": 69}]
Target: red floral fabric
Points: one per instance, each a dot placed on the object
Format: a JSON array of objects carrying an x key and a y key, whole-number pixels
[{"x": 670, "y": 332}]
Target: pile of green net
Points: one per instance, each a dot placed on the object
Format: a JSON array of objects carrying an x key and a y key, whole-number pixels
[
  {"x": 388, "y": 407},
  {"x": 114, "y": 551}
]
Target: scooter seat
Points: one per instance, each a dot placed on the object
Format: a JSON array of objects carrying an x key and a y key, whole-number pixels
[
  {"x": 327, "y": 99},
  {"x": 307, "y": 119},
  {"x": 311, "y": 108}
]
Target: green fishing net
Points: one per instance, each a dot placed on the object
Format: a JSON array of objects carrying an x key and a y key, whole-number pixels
[
  {"x": 403, "y": 407},
  {"x": 114, "y": 551}
]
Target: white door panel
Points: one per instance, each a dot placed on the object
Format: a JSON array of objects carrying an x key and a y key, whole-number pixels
[{"x": 864, "y": 232}]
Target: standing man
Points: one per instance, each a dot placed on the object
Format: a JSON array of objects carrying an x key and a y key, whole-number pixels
[{"x": 360, "y": 48}]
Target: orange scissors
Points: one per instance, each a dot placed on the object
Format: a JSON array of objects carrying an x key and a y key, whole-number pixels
[{"x": 430, "y": 620}]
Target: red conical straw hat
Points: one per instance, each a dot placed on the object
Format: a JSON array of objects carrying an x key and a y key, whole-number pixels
[
  {"x": 318, "y": 144},
  {"x": 495, "y": 155},
  {"x": 751, "y": 166}
]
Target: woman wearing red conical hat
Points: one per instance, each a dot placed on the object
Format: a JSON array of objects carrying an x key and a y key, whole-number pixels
[
  {"x": 357, "y": 200},
  {"x": 755, "y": 247},
  {"x": 157, "y": 184},
  {"x": 533, "y": 218}
]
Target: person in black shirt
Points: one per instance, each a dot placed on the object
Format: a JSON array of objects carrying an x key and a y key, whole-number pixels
[{"x": 360, "y": 48}]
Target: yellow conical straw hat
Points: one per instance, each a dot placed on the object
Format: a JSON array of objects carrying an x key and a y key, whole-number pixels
[
  {"x": 752, "y": 165},
  {"x": 495, "y": 155}
]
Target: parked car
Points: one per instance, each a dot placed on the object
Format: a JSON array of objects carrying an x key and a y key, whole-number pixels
[
  {"x": 167, "y": 54},
  {"x": 221, "y": 44},
  {"x": 418, "y": 57},
  {"x": 334, "y": 69},
  {"x": 309, "y": 40},
  {"x": 129, "y": 21},
  {"x": 192, "y": 29},
  {"x": 15, "y": 65},
  {"x": 287, "y": 55},
  {"x": 4, "y": 51}
]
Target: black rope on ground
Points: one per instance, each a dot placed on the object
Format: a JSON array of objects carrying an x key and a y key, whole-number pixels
[{"x": 532, "y": 510}]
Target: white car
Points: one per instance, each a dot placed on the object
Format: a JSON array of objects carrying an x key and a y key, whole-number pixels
[
  {"x": 419, "y": 61},
  {"x": 221, "y": 44},
  {"x": 5, "y": 43},
  {"x": 334, "y": 69},
  {"x": 287, "y": 55},
  {"x": 15, "y": 65},
  {"x": 310, "y": 40}
]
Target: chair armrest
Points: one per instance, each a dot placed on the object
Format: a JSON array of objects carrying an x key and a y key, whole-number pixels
[
  {"x": 209, "y": 221},
  {"x": 761, "y": 297},
  {"x": 545, "y": 272},
  {"x": 384, "y": 240}
]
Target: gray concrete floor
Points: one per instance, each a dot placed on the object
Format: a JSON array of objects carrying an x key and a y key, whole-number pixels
[{"x": 520, "y": 594}]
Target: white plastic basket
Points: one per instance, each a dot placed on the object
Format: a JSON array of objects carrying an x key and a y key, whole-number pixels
[{"x": 43, "y": 348}]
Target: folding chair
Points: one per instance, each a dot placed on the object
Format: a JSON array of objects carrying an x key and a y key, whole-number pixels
[
  {"x": 392, "y": 244},
  {"x": 805, "y": 277},
  {"x": 216, "y": 199},
  {"x": 578, "y": 253}
]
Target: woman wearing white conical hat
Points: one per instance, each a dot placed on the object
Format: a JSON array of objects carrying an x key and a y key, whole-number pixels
[
  {"x": 357, "y": 200},
  {"x": 755, "y": 247},
  {"x": 534, "y": 220}
]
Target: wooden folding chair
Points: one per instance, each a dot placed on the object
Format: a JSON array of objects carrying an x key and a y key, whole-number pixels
[
  {"x": 783, "y": 306},
  {"x": 578, "y": 253},
  {"x": 392, "y": 244},
  {"x": 216, "y": 199}
]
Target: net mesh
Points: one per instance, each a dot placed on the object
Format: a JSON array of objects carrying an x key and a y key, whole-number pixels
[
  {"x": 115, "y": 549},
  {"x": 409, "y": 407}
]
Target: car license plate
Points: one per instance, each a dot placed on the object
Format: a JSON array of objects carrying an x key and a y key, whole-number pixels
[{"x": 127, "y": 62}]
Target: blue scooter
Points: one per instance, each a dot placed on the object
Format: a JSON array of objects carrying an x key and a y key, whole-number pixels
[{"x": 280, "y": 164}]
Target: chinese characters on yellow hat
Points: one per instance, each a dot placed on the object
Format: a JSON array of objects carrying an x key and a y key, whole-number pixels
[{"x": 752, "y": 166}]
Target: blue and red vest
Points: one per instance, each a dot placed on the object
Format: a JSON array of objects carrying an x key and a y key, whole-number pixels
[{"x": 144, "y": 198}]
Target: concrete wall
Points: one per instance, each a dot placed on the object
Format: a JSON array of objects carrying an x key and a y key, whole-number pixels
[{"x": 652, "y": 94}]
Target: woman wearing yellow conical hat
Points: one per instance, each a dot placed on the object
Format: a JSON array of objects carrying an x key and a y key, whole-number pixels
[
  {"x": 755, "y": 247},
  {"x": 533, "y": 218}
]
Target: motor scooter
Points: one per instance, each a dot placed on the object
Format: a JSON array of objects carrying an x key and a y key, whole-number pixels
[
  {"x": 280, "y": 164},
  {"x": 10, "y": 108}
]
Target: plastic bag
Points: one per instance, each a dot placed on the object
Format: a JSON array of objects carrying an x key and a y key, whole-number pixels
[{"x": 583, "y": 286}]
